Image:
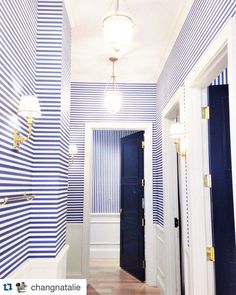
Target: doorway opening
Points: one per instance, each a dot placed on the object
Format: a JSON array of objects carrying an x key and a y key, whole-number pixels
[
  {"x": 218, "y": 56},
  {"x": 149, "y": 242},
  {"x": 175, "y": 204},
  {"x": 116, "y": 211}
]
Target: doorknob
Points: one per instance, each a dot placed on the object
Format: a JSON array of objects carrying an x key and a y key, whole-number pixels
[{"x": 176, "y": 220}]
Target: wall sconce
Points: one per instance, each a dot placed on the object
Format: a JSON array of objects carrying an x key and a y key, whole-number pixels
[
  {"x": 72, "y": 153},
  {"x": 178, "y": 134},
  {"x": 29, "y": 108}
]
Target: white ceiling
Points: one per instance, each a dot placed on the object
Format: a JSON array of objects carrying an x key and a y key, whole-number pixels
[{"x": 157, "y": 24}]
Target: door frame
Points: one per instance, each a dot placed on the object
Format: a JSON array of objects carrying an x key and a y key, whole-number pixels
[
  {"x": 218, "y": 55},
  {"x": 148, "y": 192},
  {"x": 170, "y": 190}
]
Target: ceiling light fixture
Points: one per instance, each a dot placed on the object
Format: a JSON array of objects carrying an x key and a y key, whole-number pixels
[
  {"x": 118, "y": 31},
  {"x": 112, "y": 93}
]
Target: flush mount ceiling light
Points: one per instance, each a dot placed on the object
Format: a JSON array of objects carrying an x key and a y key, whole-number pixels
[
  {"x": 112, "y": 93},
  {"x": 118, "y": 31}
]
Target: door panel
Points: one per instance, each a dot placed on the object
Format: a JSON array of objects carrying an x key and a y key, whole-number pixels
[
  {"x": 222, "y": 193},
  {"x": 132, "y": 192}
]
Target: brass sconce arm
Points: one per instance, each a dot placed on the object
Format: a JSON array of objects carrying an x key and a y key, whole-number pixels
[
  {"x": 180, "y": 152},
  {"x": 19, "y": 138}
]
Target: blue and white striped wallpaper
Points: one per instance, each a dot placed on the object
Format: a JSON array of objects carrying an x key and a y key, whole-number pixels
[
  {"x": 35, "y": 60},
  {"x": 17, "y": 68},
  {"x": 106, "y": 172},
  {"x": 222, "y": 79},
  {"x": 139, "y": 104},
  {"x": 203, "y": 22}
]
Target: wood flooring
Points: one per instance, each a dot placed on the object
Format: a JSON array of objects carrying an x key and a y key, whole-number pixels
[{"x": 106, "y": 277}]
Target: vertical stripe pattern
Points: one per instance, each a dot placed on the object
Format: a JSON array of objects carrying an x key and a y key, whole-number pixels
[
  {"x": 106, "y": 170},
  {"x": 139, "y": 104},
  {"x": 222, "y": 79}
]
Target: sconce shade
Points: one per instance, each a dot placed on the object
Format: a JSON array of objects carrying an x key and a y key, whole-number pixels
[
  {"x": 72, "y": 149},
  {"x": 177, "y": 131},
  {"x": 29, "y": 106},
  {"x": 112, "y": 101},
  {"x": 118, "y": 33}
]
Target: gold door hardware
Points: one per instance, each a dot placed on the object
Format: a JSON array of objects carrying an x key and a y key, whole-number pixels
[
  {"x": 143, "y": 222},
  {"x": 142, "y": 144},
  {"x": 207, "y": 180},
  {"x": 206, "y": 113},
  {"x": 143, "y": 182},
  {"x": 143, "y": 264},
  {"x": 210, "y": 254}
]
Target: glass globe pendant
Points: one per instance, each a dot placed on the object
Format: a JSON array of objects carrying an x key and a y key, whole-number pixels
[
  {"x": 118, "y": 31},
  {"x": 112, "y": 94}
]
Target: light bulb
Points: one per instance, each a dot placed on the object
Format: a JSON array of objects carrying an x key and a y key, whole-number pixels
[{"x": 112, "y": 101}]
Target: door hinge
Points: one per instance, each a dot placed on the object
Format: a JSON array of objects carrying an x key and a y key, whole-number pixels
[
  {"x": 143, "y": 264},
  {"x": 143, "y": 182},
  {"x": 120, "y": 210},
  {"x": 142, "y": 144},
  {"x": 143, "y": 222},
  {"x": 206, "y": 112},
  {"x": 207, "y": 180},
  {"x": 210, "y": 251}
]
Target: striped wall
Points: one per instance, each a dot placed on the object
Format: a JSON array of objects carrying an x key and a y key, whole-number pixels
[
  {"x": 17, "y": 68},
  {"x": 106, "y": 170},
  {"x": 222, "y": 79},
  {"x": 139, "y": 104},
  {"x": 203, "y": 22},
  {"x": 36, "y": 60}
]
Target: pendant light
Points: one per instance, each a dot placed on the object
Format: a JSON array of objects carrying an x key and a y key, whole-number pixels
[
  {"x": 112, "y": 94},
  {"x": 118, "y": 31}
]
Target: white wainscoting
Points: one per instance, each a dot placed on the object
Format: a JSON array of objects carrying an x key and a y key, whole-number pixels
[
  {"x": 74, "y": 238},
  {"x": 43, "y": 268},
  {"x": 161, "y": 258},
  {"x": 105, "y": 235}
]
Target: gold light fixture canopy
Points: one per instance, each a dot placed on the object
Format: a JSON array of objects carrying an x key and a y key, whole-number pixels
[
  {"x": 29, "y": 108},
  {"x": 112, "y": 94},
  {"x": 118, "y": 30}
]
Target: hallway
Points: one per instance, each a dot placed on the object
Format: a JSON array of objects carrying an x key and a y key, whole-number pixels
[{"x": 107, "y": 278}]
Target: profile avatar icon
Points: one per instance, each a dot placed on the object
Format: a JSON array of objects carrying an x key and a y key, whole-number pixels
[{"x": 21, "y": 287}]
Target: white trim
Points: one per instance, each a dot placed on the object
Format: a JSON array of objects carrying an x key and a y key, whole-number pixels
[
  {"x": 74, "y": 258},
  {"x": 149, "y": 228},
  {"x": 211, "y": 63},
  {"x": 43, "y": 268},
  {"x": 170, "y": 195}
]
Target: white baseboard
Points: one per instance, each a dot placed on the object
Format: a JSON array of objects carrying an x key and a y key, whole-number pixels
[
  {"x": 74, "y": 276},
  {"x": 160, "y": 264},
  {"x": 105, "y": 236},
  {"x": 43, "y": 268},
  {"x": 74, "y": 238}
]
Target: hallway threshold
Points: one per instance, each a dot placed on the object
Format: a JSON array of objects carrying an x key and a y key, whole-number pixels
[{"x": 106, "y": 277}]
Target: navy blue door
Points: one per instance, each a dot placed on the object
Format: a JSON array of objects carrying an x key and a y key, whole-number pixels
[
  {"x": 222, "y": 193},
  {"x": 132, "y": 212}
]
